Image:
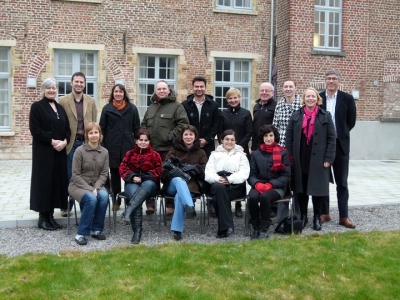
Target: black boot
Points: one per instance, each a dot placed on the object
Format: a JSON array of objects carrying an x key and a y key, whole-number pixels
[
  {"x": 136, "y": 222},
  {"x": 135, "y": 202},
  {"x": 44, "y": 223},
  {"x": 264, "y": 225},
  {"x": 52, "y": 221},
  {"x": 317, "y": 223},
  {"x": 256, "y": 229},
  {"x": 304, "y": 220}
]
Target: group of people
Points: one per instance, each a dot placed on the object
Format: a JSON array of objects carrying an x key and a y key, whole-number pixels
[{"x": 174, "y": 145}]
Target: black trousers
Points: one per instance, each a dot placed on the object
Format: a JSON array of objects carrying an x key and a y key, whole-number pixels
[
  {"x": 115, "y": 180},
  {"x": 262, "y": 211},
  {"x": 303, "y": 199},
  {"x": 340, "y": 168},
  {"x": 222, "y": 197}
]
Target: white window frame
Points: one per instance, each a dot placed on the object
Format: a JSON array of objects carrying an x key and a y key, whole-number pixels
[
  {"x": 91, "y": 79},
  {"x": 5, "y": 77},
  {"x": 327, "y": 29},
  {"x": 146, "y": 85},
  {"x": 242, "y": 85},
  {"x": 231, "y": 5}
]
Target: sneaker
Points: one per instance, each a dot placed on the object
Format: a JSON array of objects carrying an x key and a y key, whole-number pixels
[
  {"x": 98, "y": 235},
  {"x": 177, "y": 235},
  {"x": 190, "y": 212},
  {"x": 80, "y": 240}
]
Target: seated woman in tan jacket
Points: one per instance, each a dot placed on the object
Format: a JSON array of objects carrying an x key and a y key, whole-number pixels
[{"x": 89, "y": 175}]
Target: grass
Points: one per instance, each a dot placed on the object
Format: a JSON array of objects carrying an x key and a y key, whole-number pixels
[{"x": 353, "y": 265}]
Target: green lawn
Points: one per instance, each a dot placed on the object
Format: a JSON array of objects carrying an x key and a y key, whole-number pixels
[{"x": 353, "y": 265}]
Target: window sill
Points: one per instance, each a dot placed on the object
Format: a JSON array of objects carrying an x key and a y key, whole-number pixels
[
  {"x": 83, "y": 1},
  {"x": 329, "y": 53},
  {"x": 236, "y": 11},
  {"x": 390, "y": 120},
  {"x": 7, "y": 133}
]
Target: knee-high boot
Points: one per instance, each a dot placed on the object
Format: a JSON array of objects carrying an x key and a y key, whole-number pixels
[
  {"x": 136, "y": 222},
  {"x": 44, "y": 223},
  {"x": 255, "y": 223},
  {"x": 135, "y": 202},
  {"x": 52, "y": 221},
  {"x": 264, "y": 225}
]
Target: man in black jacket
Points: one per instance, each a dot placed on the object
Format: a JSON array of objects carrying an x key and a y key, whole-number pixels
[
  {"x": 203, "y": 113},
  {"x": 343, "y": 110}
]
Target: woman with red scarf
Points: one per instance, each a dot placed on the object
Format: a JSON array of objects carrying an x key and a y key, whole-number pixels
[
  {"x": 269, "y": 178},
  {"x": 311, "y": 140}
]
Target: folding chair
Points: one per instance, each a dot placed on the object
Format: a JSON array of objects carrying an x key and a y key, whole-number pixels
[{"x": 288, "y": 199}]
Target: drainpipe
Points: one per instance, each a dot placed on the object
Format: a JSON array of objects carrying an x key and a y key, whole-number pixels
[{"x": 271, "y": 40}]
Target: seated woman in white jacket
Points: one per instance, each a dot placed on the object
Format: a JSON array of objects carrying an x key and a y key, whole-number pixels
[{"x": 227, "y": 170}]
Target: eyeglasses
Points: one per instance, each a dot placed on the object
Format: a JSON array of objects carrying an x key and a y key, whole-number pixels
[
  {"x": 331, "y": 78},
  {"x": 266, "y": 91}
]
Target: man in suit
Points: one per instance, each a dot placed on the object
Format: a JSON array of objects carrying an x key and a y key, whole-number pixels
[
  {"x": 343, "y": 110},
  {"x": 81, "y": 110}
]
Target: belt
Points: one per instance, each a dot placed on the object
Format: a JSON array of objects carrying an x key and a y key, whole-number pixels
[{"x": 79, "y": 138}]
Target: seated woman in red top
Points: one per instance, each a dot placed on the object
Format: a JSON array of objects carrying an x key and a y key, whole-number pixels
[{"x": 140, "y": 169}]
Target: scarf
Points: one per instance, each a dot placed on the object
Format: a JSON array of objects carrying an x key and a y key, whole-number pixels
[
  {"x": 309, "y": 116},
  {"x": 120, "y": 105},
  {"x": 275, "y": 149}
]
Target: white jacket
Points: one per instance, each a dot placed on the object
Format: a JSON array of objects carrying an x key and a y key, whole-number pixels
[{"x": 234, "y": 161}]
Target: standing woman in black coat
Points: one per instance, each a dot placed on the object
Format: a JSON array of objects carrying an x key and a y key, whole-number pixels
[
  {"x": 49, "y": 126},
  {"x": 240, "y": 121},
  {"x": 311, "y": 140},
  {"x": 118, "y": 121}
]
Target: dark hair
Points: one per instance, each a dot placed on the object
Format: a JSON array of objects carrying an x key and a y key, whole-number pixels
[
  {"x": 228, "y": 132},
  {"x": 78, "y": 74},
  {"x": 142, "y": 131},
  {"x": 192, "y": 129},
  {"x": 122, "y": 88},
  {"x": 199, "y": 78},
  {"x": 267, "y": 129}
]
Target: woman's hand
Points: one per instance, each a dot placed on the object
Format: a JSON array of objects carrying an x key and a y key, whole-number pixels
[
  {"x": 59, "y": 145},
  {"x": 327, "y": 165},
  {"x": 223, "y": 180},
  {"x": 136, "y": 179}
]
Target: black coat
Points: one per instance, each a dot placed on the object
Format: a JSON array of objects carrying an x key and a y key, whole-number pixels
[
  {"x": 49, "y": 183},
  {"x": 118, "y": 129},
  {"x": 323, "y": 150},
  {"x": 208, "y": 123},
  {"x": 262, "y": 115},
  {"x": 260, "y": 170},
  {"x": 239, "y": 120}
]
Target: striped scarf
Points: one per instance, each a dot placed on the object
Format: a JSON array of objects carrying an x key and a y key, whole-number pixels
[{"x": 275, "y": 149}]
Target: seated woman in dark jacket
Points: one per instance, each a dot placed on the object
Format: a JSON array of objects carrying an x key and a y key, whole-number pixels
[
  {"x": 269, "y": 178},
  {"x": 183, "y": 168},
  {"x": 140, "y": 169}
]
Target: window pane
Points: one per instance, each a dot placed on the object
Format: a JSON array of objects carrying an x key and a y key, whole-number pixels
[
  {"x": 64, "y": 63},
  {"x": 4, "y": 60}
]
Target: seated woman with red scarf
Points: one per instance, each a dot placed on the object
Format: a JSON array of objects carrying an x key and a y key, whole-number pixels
[{"x": 269, "y": 178}]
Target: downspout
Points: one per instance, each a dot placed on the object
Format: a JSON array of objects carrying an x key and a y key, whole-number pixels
[{"x": 271, "y": 40}]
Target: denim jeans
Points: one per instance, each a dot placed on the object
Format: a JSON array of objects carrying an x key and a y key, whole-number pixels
[
  {"x": 149, "y": 185},
  {"x": 93, "y": 212},
  {"x": 71, "y": 156},
  {"x": 178, "y": 187}
]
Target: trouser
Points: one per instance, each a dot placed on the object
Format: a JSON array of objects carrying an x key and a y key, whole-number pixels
[
  {"x": 115, "y": 180},
  {"x": 303, "y": 199},
  {"x": 260, "y": 204},
  {"x": 94, "y": 210}
]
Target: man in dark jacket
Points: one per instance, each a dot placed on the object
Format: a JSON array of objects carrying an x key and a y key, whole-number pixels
[
  {"x": 263, "y": 111},
  {"x": 343, "y": 110},
  {"x": 203, "y": 113}
]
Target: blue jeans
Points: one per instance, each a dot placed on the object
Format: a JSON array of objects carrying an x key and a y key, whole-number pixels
[
  {"x": 93, "y": 212},
  {"x": 71, "y": 156},
  {"x": 178, "y": 187},
  {"x": 149, "y": 185}
]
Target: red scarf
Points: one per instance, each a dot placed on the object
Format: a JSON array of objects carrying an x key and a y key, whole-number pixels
[
  {"x": 309, "y": 116},
  {"x": 120, "y": 105},
  {"x": 275, "y": 149}
]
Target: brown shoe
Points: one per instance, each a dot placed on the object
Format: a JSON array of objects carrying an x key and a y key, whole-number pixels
[
  {"x": 347, "y": 223},
  {"x": 325, "y": 218},
  {"x": 170, "y": 211},
  {"x": 149, "y": 210},
  {"x": 116, "y": 207},
  {"x": 150, "y": 206}
]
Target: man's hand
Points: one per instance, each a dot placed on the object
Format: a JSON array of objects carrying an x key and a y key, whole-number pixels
[{"x": 203, "y": 142}]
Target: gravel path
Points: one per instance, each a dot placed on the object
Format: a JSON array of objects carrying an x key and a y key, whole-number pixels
[{"x": 18, "y": 241}]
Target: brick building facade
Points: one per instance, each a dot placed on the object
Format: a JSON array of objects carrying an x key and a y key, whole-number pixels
[{"x": 138, "y": 42}]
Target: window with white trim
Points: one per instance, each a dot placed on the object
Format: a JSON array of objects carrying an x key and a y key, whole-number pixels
[
  {"x": 5, "y": 100},
  {"x": 67, "y": 62},
  {"x": 153, "y": 68},
  {"x": 232, "y": 73},
  {"x": 234, "y": 4},
  {"x": 328, "y": 25}
]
